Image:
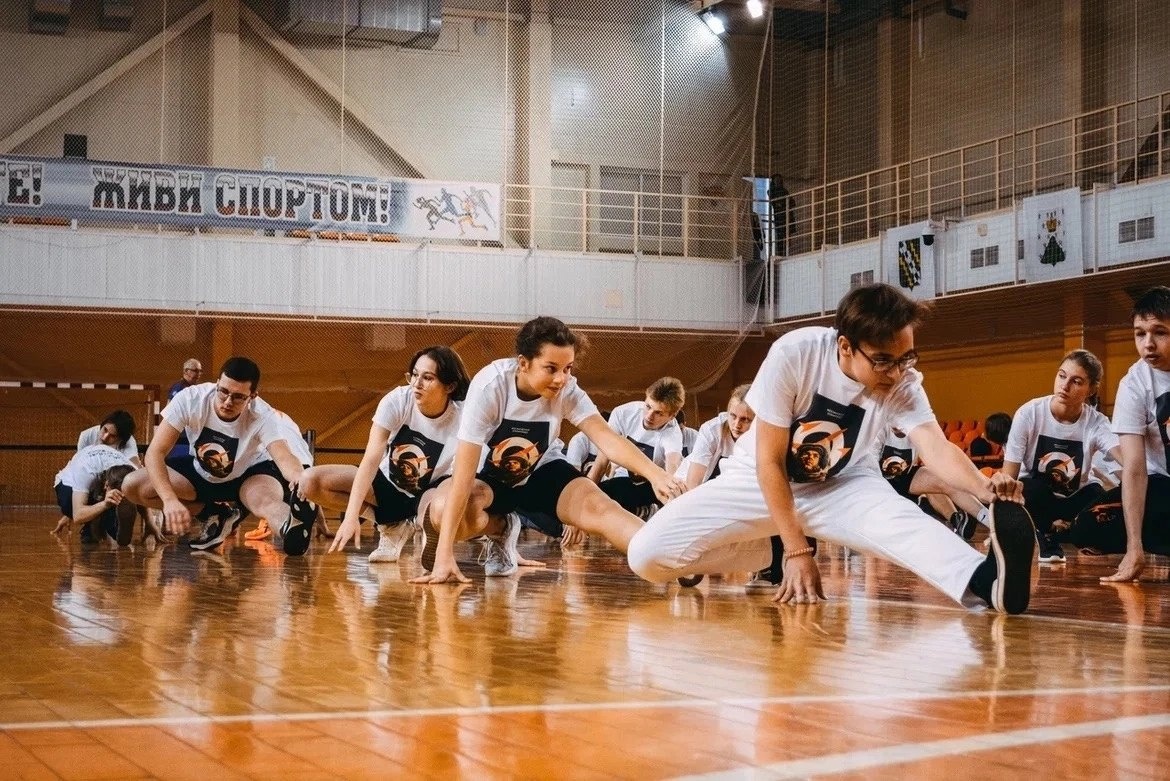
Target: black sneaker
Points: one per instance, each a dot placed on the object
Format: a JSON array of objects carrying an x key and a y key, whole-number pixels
[
  {"x": 1050, "y": 550},
  {"x": 217, "y": 529},
  {"x": 297, "y": 530},
  {"x": 1009, "y": 561},
  {"x": 963, "y": 524}
]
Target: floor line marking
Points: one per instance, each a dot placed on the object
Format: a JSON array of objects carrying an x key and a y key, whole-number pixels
[
  {"x": 569, "y": 707},
  {"x": 852, "y": 761}
]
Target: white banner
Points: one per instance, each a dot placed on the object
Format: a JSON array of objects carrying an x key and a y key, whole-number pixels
[
  {"x": 1050, "y": 227},
  {"x": 193, "y": 196},
  {"x": 908, "y": 260}
]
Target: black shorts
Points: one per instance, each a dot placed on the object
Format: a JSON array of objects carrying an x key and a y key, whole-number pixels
[
  {"x": 629, "y": 494},
  {"x": 229, "y": 491},
  {"x": 393, "y": 507},
  {"x": 64, "y": 499},
  {"x": 901, "y": 483},
  {"x": 539, "y": 495},
  {"x": 108, "y": 519}
]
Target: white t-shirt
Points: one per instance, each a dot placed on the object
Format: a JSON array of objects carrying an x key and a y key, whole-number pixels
[
  {"x": 1061, "y": 454},
  {"x": 520, "y": 435},
  {"x": 689, "y": 437},
  {"x": 291, "y": 433},
  {"x": 223, "y": 450},
  {"x": 1143, "y": 407},
  {"x": 626, "y": 420},
  {"x": 897, "y": 455},
  {"x": 834, "y": 423},
  {"x": 93, "y": 436},
  {"x": 87, "y": 464},
  {"x": 421, "y": 449},
  {"x": 581, "y": 452},
  {"x": 713, "y": 443}
]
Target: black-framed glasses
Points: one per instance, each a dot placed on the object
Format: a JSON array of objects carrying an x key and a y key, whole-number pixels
[
  {"x": 234, "y": 398},
  {"x": 886, "y": 365}
]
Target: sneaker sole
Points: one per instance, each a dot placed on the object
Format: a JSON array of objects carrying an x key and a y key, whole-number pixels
[
  {"x": 431, "y": 546},
  {"x": 1013, "y": 541}
]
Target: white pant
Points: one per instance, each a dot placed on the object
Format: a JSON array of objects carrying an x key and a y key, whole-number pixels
[{"x": 724, "y": 525}]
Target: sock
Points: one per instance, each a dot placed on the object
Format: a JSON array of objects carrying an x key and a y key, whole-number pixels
[
  {"x": 982, "y": 579},
  {"x": 984, "y": 517}
]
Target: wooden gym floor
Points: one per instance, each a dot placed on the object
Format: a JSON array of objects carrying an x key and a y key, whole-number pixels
[{"x": 172, "y": 664}]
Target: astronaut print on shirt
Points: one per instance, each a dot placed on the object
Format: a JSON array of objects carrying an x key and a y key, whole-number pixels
[
  {"x": 822, "y": 441},
  {"x": 216, "y": 452},
  {"x": 895, "y": 461},
  {"x": 514, "y": 450},
  {"x": 412, "y": 458},
  {"x": 1059, "y": 463}
]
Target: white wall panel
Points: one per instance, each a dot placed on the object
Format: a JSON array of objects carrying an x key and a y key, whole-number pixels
[
  {"x": 799, "y": 286},
  {"x": 959, "y": 239}
]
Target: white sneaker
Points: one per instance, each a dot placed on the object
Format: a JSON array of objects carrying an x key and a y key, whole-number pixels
[
  {"x": 392, "y": 539},
  {"x": 502, "y": 554}
]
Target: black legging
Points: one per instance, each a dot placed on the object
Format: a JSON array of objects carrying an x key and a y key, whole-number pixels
[
  {"x": 1046, "y": 506},
  {"x": 1102, "y": 525}
]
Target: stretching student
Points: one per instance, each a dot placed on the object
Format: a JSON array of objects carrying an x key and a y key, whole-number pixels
[
  {"x": 506, "y": 459},
  {"x": 824, "y": 399},
  {"x": 411, "y": 445},
  {"x": 1141, "y": 420}
]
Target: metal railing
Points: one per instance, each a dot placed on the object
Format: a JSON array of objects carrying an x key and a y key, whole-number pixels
[
  {"x": 592, "y": 220},
  {"x": 1126, "y": 142}
]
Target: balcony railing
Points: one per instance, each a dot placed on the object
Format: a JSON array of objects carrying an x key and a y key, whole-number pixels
[{"x": 1127, "y": 142}]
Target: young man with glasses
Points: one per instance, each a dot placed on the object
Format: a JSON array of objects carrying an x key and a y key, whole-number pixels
[
  {"x": 824, "y": 399},
  {"x": 239, "y": 453}
]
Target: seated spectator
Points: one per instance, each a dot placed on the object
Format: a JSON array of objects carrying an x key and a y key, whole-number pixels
[{"x": 987, "y": 449}]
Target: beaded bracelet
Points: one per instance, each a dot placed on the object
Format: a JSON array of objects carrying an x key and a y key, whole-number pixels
[{"x": 798, "y": 553}]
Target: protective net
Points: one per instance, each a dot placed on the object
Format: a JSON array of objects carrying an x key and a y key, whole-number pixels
[{"x": 39, "y": 427}]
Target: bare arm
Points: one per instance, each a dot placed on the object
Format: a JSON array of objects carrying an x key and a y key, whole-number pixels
[
  {"x": 1011, "y": 469},
  {"x": 625, "y": 453},
  {"x": 695, "y": 475},
  {"x": 289, "y": 465},
  {"x": 599, "y": 468},
  {"x": 176, "y": 517},
  {"x": 83, "y": 512},
  {"x": 1134, "y": 484},
  {"x": 802, "y": 579},
  {"x": 672, "y": 461},
  {"x": 351, "y": 523},
  {"x": 951, "y": 465}
]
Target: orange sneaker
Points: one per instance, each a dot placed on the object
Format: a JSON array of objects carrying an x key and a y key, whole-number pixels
[{"x": 261, "y": 532}]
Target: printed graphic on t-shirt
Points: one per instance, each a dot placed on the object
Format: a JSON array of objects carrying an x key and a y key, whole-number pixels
[
  {"x": 895, "y": 461},
  {"x": 718, "y": 463},
  {"x": 648, "y": 451},
  {"x": 823, "y": 440},
  {"x": 216, "y": 452},
  {"x": 412, "y": 459},
  {"x": 514, "y": 450},
  {"x": 1059, "y": 463},
  {"x": 1162, "y": 416}
]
